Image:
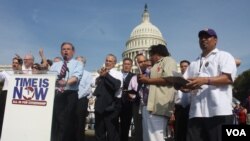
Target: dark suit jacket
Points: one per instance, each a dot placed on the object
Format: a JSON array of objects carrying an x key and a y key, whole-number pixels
[
  {"x": 125, "y": 87},
  {"x": 105, "y": 92}
]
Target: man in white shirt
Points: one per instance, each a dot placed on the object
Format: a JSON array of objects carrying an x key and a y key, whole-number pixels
[
  {"x": 28, "y": 62},
  {"x": 181, "y": 109},
  {"x": 5, "y": 76},
  {"x": 211, "y": 77}
]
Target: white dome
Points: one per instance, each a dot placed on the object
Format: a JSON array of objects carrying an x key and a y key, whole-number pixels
[
  {"x": 145, "y": 29},
  {"x": 142, "y": 37}
]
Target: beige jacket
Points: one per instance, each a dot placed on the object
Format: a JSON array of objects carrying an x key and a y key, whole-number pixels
[{"x": 161, "y": 98}]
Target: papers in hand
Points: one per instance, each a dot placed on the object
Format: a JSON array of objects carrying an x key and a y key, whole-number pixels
[
  {"x": 177, "y": 78},
  {"x": 130, "y": 91}
]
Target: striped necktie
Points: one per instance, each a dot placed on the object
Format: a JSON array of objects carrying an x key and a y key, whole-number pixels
[
  {"x": 62, "y": 75},
  {"x": 63, "y": 70}
]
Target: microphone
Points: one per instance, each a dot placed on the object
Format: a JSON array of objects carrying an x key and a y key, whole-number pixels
[{"x": 65, "y": 57}]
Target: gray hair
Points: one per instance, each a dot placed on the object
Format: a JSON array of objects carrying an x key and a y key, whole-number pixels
[
  {"x": 29, "y": 56},
  {"x": 83, "y": 59},
  {"x": 112, "y": 55}
]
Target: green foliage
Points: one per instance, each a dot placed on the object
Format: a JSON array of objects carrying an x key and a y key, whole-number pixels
[{"x": 242, "y": 85}]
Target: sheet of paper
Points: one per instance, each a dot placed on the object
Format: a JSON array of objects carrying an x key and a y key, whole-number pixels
[{"x": 177, "y": 78}]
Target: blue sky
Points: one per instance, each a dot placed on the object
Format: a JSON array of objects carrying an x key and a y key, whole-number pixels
[{"x": 99, "y": 27}]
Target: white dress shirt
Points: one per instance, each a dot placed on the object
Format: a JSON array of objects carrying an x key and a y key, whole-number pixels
[{"x": 212, "y": 100}]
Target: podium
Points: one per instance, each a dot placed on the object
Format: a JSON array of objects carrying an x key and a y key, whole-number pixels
[{"x": 29, "y": 107}]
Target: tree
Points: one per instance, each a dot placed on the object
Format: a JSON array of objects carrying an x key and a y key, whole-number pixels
[{"x": 242, "y": 85}]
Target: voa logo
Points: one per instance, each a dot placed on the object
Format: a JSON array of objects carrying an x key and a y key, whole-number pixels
[{"x": 236, "y": 132}]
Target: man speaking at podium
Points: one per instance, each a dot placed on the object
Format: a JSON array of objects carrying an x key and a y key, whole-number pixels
[{"x": 69, "y": 73}]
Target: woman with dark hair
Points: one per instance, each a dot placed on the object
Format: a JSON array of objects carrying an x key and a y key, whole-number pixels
[
  {"x": 161, "y": 93},
  {"x": 159, "y": 49}
]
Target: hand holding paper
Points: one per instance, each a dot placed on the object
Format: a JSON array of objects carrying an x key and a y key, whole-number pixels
[
  {"x": 130, "y": 91},
  {"x": 177, "y": 79}
]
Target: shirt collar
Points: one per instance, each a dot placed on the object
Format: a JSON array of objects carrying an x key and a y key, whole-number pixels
[
  {"x": 214, "y": 51},
  {"x": 160, "y": 59}
]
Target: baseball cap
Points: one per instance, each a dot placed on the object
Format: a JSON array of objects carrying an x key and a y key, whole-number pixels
[{"x": 208, "y": 31}]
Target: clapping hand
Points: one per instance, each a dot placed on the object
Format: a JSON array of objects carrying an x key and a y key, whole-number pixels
[{"x": 103, "y": 71}]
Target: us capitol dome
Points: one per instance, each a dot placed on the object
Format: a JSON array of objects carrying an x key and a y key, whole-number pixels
[{"x": 142, "y": 37}]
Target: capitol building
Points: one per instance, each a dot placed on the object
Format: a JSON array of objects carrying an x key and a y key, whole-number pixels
[{"x": 141, "y": 38}]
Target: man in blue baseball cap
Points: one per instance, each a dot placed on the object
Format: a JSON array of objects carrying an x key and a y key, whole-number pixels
[
  {"x": 211, "y": 76},
  {"x": 207, "y": 31}
]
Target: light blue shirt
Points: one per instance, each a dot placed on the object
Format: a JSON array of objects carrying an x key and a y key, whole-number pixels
[
  {"x": 75, "y": 68},
  {"x": 85, "y": 84}
]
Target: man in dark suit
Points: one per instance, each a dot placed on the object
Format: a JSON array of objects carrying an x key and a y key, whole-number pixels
[
  {"x": 108, "y": 101},
  {"x": 127, "y": 104}
]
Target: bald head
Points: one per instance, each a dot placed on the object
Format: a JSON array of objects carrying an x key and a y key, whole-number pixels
[{"x": 28, "y": 60}]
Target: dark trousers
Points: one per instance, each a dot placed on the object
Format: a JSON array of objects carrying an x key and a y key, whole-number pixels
[
  {"x": 81, "y": 113},
  {"x": 181, "y": 122},
  {"x": 106, "y": 126},
  {"x": 64, "y": 116},
  {"x": 129, "y": 111},
  {"x": 125, "y": 120},
  {"x": 207, "y": 129},
  {"x": 137, "y": 117},
  {"x": 3, "y": 96}
]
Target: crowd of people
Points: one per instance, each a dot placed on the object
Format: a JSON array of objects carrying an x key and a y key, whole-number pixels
[{"x": 158, "y": 103}]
